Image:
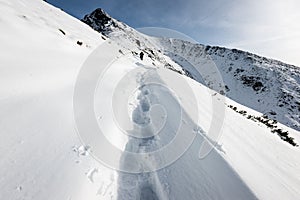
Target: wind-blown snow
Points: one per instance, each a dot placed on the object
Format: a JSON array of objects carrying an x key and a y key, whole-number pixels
[{"x": 41, "y": 154}]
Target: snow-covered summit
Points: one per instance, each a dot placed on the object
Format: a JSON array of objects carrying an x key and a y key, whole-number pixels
[{"x": 265, "y": 85}]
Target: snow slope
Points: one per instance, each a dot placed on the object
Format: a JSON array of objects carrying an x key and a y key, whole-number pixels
[
  {"x": 38, "y": 69},
  {"x": 42, "y": 156},
  {"x": 265, "y": 85}
]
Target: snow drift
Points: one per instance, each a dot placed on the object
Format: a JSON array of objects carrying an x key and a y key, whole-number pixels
[{"x": 42, "y": 157}]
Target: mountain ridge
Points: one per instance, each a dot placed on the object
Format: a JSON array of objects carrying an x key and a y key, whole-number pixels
[
  {"x": 274, "y": 85},
  {"x": 43, "y": 157}
]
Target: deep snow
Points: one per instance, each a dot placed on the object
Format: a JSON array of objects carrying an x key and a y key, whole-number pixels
[{"x": 42, "y": 156}]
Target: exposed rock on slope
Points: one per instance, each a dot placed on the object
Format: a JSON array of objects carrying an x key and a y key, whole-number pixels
[{"x": 268, "y": 86}]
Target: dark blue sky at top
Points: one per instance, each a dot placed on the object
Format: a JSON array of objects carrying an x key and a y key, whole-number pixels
[
  {"x": 266, "y": 27},
  {"x": 186, "y": 16}
]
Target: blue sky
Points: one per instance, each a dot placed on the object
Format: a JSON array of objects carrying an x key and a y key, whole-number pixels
[{"x": 266, "y": 27}]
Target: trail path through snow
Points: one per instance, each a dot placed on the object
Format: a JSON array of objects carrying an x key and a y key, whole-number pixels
[{"x": 210, "y": 178}]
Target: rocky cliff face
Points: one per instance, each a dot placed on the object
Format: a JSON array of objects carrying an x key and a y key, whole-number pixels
[{"x": 100, "y": 21}]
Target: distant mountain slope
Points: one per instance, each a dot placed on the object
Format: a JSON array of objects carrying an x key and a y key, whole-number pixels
[
  {"x": 265, "y": 85},
  {"x": 268, "y": 86}
]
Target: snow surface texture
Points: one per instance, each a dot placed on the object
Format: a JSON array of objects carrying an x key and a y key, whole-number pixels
[{"x": 42, "y": 51}]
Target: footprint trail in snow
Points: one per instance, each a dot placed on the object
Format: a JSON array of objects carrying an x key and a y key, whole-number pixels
[{"x": 143, "y": 185}]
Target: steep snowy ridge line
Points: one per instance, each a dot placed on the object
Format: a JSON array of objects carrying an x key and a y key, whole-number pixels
[
  {"x": 268, "y": 86},
  {"x": 42, "y": 156},
  {"x": 128, "y": 38}
]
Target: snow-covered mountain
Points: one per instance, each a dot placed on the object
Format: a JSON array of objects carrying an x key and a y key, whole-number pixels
[
  {"x": 265, "y": 85},
  {"x": 42, "y": 157}
]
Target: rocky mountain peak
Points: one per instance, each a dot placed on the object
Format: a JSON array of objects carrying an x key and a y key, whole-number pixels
[{"x": 100, "y": 21}]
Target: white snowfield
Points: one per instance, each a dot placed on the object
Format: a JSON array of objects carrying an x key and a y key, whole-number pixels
[{"x": 42, "y": 157}]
